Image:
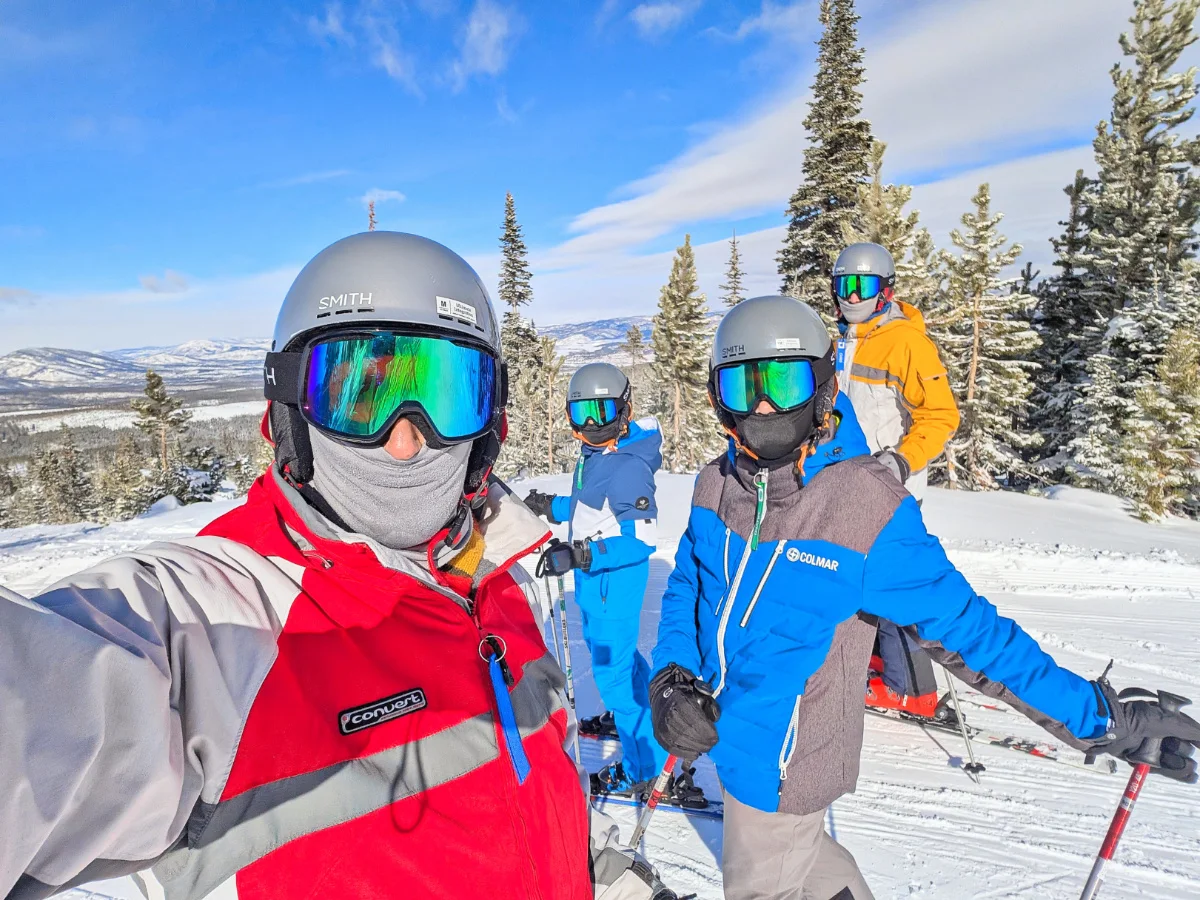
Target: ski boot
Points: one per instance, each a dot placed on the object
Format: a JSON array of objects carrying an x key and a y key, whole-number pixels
[
  {"x": 602, "y": 726},
  {"x": 682, "y": 791},
  {"x": 944, "y": 713},
  {"x": 612, "y": 779},
  {"x": 880, "y": 696}
]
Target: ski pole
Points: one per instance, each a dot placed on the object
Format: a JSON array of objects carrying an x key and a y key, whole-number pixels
[
  {"x": 972, "y": 768},
  {"x": 660, "y": 787},
  {"x": 566, "y": 645},
  {"x": 1142, "y": 758},
  {"x": 553, "y": 627}
]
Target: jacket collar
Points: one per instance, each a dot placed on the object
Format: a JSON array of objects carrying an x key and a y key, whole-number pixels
[{"x": 897, "y": 311}]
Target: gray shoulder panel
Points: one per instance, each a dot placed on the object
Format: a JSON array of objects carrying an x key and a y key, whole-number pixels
[{"x": 709, "y": 484}]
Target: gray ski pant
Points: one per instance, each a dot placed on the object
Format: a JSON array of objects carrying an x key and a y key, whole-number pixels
[{"x": 780, "y": 856}]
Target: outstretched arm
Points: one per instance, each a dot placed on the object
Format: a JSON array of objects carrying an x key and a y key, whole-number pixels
[
  {"x": 123, "y": 702},
  {"x": 633, "y": 505},
  {"x": 908, "y": 579}
]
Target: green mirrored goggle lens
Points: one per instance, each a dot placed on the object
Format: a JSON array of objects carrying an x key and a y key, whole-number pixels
[
  {"x": 866, "y": 286},
  {"x": 354, "y": 385},
  {"x": 787, "y": 383},
  {"x": 600, "y": 412}
]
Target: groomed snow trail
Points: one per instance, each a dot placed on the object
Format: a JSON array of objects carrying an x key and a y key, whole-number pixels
[{"x": 1086, "y": 580}]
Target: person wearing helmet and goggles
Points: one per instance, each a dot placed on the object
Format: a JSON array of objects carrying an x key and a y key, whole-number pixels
[
  {"x": 891, "y": 371},
  {"x": 612, "y": 514},
  {"x": 341, "y": 686},
  {"x": 797, "y": 539}
]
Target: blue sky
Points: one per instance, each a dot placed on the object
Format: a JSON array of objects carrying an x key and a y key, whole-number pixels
[{"x": 167, "y": 165}]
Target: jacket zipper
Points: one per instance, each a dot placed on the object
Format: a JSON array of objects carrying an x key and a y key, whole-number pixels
[
  {"x": 760, "y": 482},
  {"x": 725, "y": 596},
  {"x": 762, "y": 582},
  {"x": 790, "y": 740}
]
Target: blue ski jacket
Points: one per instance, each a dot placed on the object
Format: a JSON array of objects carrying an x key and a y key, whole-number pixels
[
  {"x": 771, "y": 564},
  {"x": 612, "y": 504}
]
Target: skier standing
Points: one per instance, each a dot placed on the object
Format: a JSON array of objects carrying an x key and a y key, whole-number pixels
[
  {"x": 612, "y": 514},
  {"x": 339, "y": 688},
  {"x": 792, "y": 534},
  {"x": 894, "y": 378}
]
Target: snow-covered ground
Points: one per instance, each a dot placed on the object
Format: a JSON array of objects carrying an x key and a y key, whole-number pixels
[
  {"x": 40, "y": 420},
  {"x": 1086, "y": 580}
]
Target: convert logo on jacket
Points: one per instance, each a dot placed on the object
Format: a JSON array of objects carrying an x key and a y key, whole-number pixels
[{"x": 393, "y": 707}]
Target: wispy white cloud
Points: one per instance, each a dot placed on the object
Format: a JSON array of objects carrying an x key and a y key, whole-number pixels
[
  {"x": 779, "y": 20},
  {"x": 656, "y": 19},
  {"x": 331, "y": 26},
  {"x": 379, "y": 195},
  {"x": 505, "y": 111},
  {"x": 383, "y": 37},
  {"x": 486, "y": 43},
  {"x": 98, "y": 320},
  {"x": 20, "y": 45},
  {"x": 171, "y": 282},
  {"x": 306, "y": 178},
  {"x": 943, "y": 100},
  {"x": 16, "y": 295}
]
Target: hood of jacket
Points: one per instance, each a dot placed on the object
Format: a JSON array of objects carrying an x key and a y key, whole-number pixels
[{"x": 644, "y": 440}]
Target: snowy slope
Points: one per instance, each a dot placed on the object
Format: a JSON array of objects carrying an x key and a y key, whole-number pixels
[{"x": 1089, "y": 582}]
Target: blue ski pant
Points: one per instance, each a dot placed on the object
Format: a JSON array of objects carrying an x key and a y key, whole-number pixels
[{"x": 610, "y": 628}]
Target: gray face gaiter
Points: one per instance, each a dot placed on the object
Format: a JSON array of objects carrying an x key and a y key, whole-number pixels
[
  {"x": 854, "y": 313},
  {"x": 399, "y": 503}
]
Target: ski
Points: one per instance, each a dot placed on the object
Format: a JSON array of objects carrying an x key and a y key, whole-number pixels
[
  {"x": 1048, "y": 752},
  {"x": 715, "y": 809}
]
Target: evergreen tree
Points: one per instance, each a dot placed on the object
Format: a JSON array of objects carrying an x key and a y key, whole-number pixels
[
  {"x": 732, "y": 286},
  {"x": 1144, "y": 212},
  {"x": 160, "y": 417},
  {"x": 8, "y": 491},
  {"x": 61, "y": 491},
  {"x": 989, "y": 356},
  {"x": 681, "y": 343},
  {"x": 835, "y": 161},
  {"x": 1065, "y": 318},
  {"x": 635, "y": 346},
  {"x": 521, "y": 349},
  {"x": 555, "y": 430},
  {"x": 122, "y": 485},
  {"x": 1160, "y": 453}
]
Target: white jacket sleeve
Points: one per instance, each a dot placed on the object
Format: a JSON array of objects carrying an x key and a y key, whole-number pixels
[{"x": 124, "y": 690}]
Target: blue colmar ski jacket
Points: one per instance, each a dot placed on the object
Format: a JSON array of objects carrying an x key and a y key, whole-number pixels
[
  {"x": 771, "y": 564},
  {"x": 612, "y": 504}
]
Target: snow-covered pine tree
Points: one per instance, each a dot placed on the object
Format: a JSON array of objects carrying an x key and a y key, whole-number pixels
[
  {"x": 635, "y": 348},
  {"x": 1066, "y": 321},
  {"x": 989, "y": 361},
  {"x": 835, "y": 160},
  {"x": 731, "y": 288},
  {"x": 160, "y": 417},
  {"x": 121, "y": 485},
  {"x": 1144, "y": 215},
  {"x": 556, "y": 430},
  {"x": 879, "y": 217},
  {"x": 520, "y": 348},
  {"x": 682, "y": 347},
  {"x": 8, "y": 490},
  {"x": 1160, "y": 453},
  {"x": 61, "y": 486}
]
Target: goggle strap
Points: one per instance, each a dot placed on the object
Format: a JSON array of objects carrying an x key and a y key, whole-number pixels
[{"x": 281, "y": 377}]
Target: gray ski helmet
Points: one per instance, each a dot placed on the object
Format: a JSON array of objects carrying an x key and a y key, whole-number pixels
[
  {"x": 601, "y": 381},
  {"x": 865, "y": 259},
  {"x": 377, "y": 278},
  {"x": 386, "y": 277},
  {"x": 775, "y": 327},
  {"x": 769, "y": 328},
  {"x": 597, "y": 381}
]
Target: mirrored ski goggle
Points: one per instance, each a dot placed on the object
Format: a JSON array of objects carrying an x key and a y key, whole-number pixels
[
  {"x": 786, "y": 383},
  {"x": 595, "y": 412},
  {"x": 866, "y": 286},
  {"x": 357, "y": 386}
]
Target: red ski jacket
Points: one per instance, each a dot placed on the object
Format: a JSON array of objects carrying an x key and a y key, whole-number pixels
[{"x": 267, "y": 711}]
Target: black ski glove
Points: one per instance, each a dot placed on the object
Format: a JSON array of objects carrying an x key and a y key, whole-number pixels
[
  {"x": 1151, "y": 731},
  {"x": 895, "y": 463},
  {"x": 559, "y": 558},
  {"x": 684, "y": 713},
  {"x": 539, "y": 505}
]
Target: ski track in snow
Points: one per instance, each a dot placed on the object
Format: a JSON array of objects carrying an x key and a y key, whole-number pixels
[{"x": 1089, "y": 583}]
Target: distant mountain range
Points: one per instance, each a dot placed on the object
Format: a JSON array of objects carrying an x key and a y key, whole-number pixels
[{"x": 50, "y": 376}]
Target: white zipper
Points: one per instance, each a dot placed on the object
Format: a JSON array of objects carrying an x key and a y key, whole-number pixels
[
  {"x": 725, "y": 596},
  {"x": 730, "y": 600},
  {"x": 762, "y": 582},
  {"x": 790, "y": 740}
]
